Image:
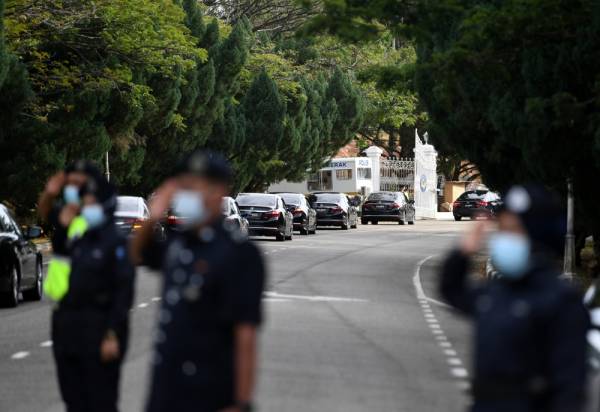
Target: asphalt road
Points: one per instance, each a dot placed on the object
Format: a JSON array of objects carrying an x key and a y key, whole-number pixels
[{"x": 353, "y": 324}]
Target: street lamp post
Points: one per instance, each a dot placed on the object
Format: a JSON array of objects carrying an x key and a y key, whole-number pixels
[
  {"x": 107, "y": 168},
  {"x": 569, "y": 260}
]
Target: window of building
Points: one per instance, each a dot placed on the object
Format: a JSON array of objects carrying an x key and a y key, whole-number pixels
[
  {"x": 343, "y": 174},
  {"x": 364, "y": 172}
]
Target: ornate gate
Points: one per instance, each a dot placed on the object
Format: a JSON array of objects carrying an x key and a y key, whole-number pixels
[{"x": 397, "y": 175}]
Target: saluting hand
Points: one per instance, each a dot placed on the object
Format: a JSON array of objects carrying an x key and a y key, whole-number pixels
[
  {"x": 162, "y": 200},
  {"x": 473, "y": 240},
  {"x": 109, "y": 349},
  {"x": 55, "y": 184}
]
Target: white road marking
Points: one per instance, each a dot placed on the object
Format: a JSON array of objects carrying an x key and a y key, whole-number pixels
[
  {"x": 156, "y": 299},
  {"x": 445, "y": 344},
  {"x": 20, "y": 355},
  {"x": 419, "y": 287},
  {"x": 276, "y": 300},
  {"x": 142, "y": 305},
  {"x": 312, "y": 298},
  {"x": 454, "y": 361},
  {"x": 450, "y": 352},
  {"x": 459, "y": 372},
  {"x": 46, "y": 344}
]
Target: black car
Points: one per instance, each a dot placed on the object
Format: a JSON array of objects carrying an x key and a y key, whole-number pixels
[
  {"x": 20, "y": 261},
  {"x": 267, "y": 215},
  {"x": 476, "y": 203},
  {"x": 335, "y": 209},
  {"x": 233, "y": 217},
  {"x": 388, "y": 207},
  {"x": 305, "y": 217}
]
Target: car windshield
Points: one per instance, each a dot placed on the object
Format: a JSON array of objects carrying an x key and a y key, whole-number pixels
[
  {"x": 475, "y": 195},
  {"x": 257, "y": 200},
  {"x": 382, "y": 196},
  {"x": 291, "y": 199},
  {"x": 127, "y": 204},
  {"x": 328, "y": 197}
]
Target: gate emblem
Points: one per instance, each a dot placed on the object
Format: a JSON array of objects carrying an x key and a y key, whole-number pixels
[{"x": 423, "y": 183}]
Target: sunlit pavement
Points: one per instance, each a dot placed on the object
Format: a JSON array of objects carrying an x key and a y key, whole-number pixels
[{"x": 353, "y": 323}]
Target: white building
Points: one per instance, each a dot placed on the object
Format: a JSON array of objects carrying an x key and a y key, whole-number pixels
[{"x": 347, "y": 175}]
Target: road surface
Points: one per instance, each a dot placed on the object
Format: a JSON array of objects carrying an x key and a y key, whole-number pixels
[{"x": 353, "y": 323}]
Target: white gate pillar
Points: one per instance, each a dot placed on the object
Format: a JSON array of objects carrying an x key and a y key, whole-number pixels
[{"x": 374, "y": 153}]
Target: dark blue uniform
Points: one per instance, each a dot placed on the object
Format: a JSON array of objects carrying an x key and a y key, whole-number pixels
[
  {"x": 530, "y": 342},
  {"x": 99, "y": 298},
  {"x": 213, "y": 281}
]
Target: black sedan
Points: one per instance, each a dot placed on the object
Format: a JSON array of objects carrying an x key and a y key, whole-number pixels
[
  {"x": 267, "y": 215},
  {"x": 233, "y": 217},
  {"x": 305, "y": 217},
  {"x": 20, "y": 262},
  {"x": 475, "y": 204},
  {"x": 388, "y": 207},
  {"x": 335, "y": 209}
]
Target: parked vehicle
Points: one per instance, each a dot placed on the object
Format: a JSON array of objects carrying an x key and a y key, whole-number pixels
[
  {"x": 475, "y": 204},
  {"x": 335, "y": 209},
  {"x": 131, "y": 213},
  {"x": 21, "y": 264},
  {"x": 388, "y": 207},
  {"x": 267, "y": 215},
  {"x": 305, "y": 217},
  {"x": 233, "y": 217}
]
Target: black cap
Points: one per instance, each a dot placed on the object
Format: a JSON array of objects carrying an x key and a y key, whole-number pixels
[
  {"x": 104, "y": 192},
  {"x": 540, "y": 213},
  {"x": 208, "y": 164},
  {"x": 85, "y": 166}
]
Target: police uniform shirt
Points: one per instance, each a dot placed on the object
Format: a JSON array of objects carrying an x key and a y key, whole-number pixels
[{"x": 213, "y": 281}]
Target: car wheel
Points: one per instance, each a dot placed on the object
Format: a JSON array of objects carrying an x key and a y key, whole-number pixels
[
  {"x": 374, "y": 222},
  {"x": 291, "y": 235},
  {"x": 304, "y": 230},
  {"x": 346, "y": 224},
  {"x": 36, "y": 292},
  {"x": 457, "y": 218},
  {"x": 11, "y": 298},
  {"x": 412, "y": 222},
  {"x": 364, "y": 222}
]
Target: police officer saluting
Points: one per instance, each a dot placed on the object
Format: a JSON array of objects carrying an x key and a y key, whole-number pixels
[
  {"x": 530, "y": 341},
  {"x": 205, "y": 344},
  {"x": 90, "y": 318}
]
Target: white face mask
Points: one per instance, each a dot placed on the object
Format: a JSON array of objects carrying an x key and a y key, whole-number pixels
[
  {"x": 189, "y": 205},
  {"x": 510, "y": 254},
  {"x": 93, "y": 215}
]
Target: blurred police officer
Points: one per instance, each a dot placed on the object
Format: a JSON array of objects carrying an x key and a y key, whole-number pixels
[
  {"x": 205, "y": 345},
  {"x": 530, "y": 342},
  {"x": 90, "y": 318}
]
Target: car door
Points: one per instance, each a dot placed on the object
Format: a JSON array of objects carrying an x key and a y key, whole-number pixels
[
  {"x": 289, "y": 224},
  {"x": 27, "y": 255}
]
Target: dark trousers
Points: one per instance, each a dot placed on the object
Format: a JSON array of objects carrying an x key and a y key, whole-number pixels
[{"x": 87, "y": 384}]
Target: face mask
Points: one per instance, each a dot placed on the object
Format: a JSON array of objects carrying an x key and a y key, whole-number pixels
[
  {"x": 93, "y": 215},
  {"x": 510, "y": 254},
  {"x": 71, "y": 194},
  {"x": 189, "y": 205}
]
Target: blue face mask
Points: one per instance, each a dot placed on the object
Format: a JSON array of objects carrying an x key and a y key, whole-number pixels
[
  {"x": 93, "y": 215},
  {"x": 189, "y": 206},
  {"x": 510, "y": 254},
  {"x": 71, "y": 194}
]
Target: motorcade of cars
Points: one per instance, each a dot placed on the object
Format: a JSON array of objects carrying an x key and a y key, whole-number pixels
[
  {"x": 131, "y": 213},
  {"x": 267, "y": 215},
  {"x": 388, "y": 207},
  {"x": 305, "y": 217},
  {"x": 233, "y": 216},
  {"x": 335, "y": 209},
  {"x": 476, "y": 204},
  {"x": 21, "y": 263}
]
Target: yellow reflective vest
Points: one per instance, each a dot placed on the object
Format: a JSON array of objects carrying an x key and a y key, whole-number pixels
[{"x": 56, "y": 285}]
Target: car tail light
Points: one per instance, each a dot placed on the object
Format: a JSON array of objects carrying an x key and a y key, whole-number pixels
[
  {"x": 368, "y": 206},
  {"x": 337, "y": 210},
  {"x": 172, "y": 220},
  {"x": 455, "y": 205},
  {"x": 298, "y": 212},
  {"x": 395, "y": 206},
  {"x": 137, "y": 224},
  {"x": 271, "y": 214},
  {"x": 482, "y": 203}
]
